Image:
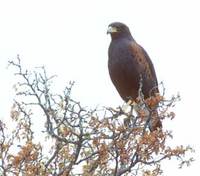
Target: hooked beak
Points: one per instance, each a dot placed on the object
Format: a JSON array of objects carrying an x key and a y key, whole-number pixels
[{"x": 111, "y": 30}]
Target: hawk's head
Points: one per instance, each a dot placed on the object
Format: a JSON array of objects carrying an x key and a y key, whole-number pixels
[{"x": 118, "y": 29}]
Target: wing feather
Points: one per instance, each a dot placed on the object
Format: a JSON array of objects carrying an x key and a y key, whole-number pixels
[{"x": 145, "y": 68}]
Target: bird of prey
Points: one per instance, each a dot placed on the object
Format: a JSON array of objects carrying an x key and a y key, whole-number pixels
[{"x": 130, "y": 67}]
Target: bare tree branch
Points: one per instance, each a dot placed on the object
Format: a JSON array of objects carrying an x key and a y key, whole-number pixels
[{"x": 109, "y": 141}]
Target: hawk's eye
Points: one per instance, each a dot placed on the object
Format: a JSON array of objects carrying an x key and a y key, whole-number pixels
[{"x": 118, "y": 29}]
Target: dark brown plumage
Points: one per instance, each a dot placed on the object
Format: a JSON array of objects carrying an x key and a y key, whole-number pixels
[{"x": 129, "y": 65}]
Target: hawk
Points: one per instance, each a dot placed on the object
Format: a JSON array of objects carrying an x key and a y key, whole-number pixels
[{"x": 130, "y": 67}]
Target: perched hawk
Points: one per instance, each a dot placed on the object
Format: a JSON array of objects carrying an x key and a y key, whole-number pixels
[{"x": 130, "y": 66}]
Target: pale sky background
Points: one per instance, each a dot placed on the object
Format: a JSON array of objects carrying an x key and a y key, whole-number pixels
[{"x": 69, "y": 38}]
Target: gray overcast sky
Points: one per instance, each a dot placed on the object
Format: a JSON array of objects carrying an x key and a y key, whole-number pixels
[{"x": 69, "y": 38}]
